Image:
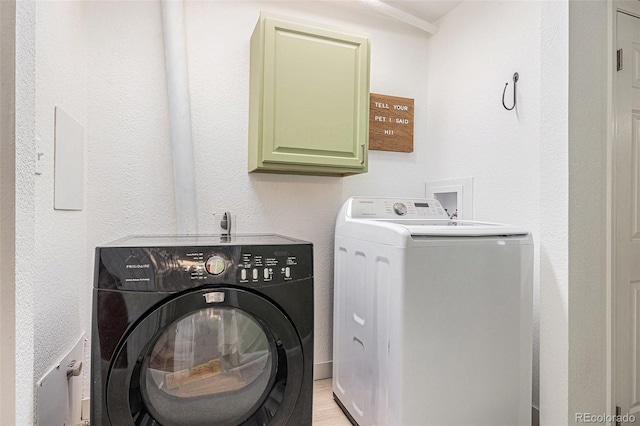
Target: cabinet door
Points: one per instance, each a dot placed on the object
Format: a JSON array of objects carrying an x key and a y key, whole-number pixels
[{"x": 316, "y": 96}]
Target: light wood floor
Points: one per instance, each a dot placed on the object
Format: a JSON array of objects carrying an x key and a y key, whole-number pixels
[
  {"x": 327, "y": 413},
  {"x": 325, "y": 410}
]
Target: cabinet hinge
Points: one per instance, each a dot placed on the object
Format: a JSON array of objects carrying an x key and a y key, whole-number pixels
[{"x": 619, "y": 59}]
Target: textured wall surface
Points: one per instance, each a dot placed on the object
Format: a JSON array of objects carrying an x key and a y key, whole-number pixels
[
  {"x": 51, "y": 286},
  {"x": 588, "y": 67},
  {"x": 7, "y": 212},
  {"x": 61, "y": 284},
  {"x": 25, "y": 208},
  {"x": 476, "y": 51},
  {"x": 130, "y": 185},
  {"x": 554, "y": 218}
]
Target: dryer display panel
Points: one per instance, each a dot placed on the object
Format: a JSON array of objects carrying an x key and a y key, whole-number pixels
[{"x": 172, "y": 269}]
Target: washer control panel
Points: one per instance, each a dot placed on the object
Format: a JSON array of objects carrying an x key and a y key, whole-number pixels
[{"x": 396, "y": 208}]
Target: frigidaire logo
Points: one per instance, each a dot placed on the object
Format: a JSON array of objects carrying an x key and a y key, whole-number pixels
[{"x": 146, "y": 265}]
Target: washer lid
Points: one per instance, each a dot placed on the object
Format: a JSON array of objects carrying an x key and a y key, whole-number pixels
[{"x": 458, "y": 228}]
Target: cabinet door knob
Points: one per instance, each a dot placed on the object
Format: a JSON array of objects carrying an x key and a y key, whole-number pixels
[{"x": 362, "y": 162}]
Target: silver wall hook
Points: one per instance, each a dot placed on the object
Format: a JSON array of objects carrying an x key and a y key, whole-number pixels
[{"x": 515, "y": 80}]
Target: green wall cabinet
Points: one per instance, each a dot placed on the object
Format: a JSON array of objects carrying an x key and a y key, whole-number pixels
[{"x": 309, "y": 99}]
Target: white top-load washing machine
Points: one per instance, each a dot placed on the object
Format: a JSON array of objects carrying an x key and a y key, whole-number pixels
[{"x": 432, "y": 316}]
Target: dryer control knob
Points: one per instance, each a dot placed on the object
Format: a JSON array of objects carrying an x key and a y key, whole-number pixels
[
  {"x": 215, "y": 265},
  {"x": 400, "y": 209}
]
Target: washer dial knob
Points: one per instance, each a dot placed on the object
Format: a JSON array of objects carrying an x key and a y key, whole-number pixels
[
  {"x": 215, "y": 265},
  {"x": 400, "y": 209}
]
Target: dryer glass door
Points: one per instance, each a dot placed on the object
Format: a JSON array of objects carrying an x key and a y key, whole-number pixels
[
  {"x": 219, "y": 356},
  {"x": 213, "y": 356}
]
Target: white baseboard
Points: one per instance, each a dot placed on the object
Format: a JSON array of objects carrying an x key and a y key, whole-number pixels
[{"x": 322, "y": 370}]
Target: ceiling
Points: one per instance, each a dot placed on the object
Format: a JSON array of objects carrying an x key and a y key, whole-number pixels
[{"x": 429, "y": 10}]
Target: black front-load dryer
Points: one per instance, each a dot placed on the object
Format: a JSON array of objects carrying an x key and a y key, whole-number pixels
[{"x": 203, "y": 331}]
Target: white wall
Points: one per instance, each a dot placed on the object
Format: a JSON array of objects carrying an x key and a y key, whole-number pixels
[
  {"x": 574, "y": 122},
  {"x": 61, "y": 280},
  {"x": 469, "y": 133},
  {"x": 25, "y": 208},
  {"x": 130, "y": 186},
  {"x": 52, "y": 281},
  {"x": 7, "y": 214},
  {"x": 554, "y": 195},
  {"x": 588, "y": 66}
]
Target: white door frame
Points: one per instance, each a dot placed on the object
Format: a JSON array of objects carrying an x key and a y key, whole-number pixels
[{"x": 633, "y": 8}]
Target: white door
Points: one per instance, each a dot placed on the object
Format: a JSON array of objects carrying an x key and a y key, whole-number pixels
[{"x": 627, "y": 215}]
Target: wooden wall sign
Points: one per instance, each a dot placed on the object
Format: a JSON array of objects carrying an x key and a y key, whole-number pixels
[{"x": 390, "y": 123}]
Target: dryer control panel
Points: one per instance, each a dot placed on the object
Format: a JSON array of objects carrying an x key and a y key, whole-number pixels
[
  {"x": 173, "y": 269},
  {"x": 396, "y": 208}
]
